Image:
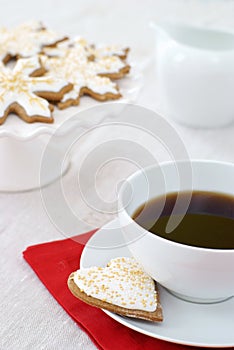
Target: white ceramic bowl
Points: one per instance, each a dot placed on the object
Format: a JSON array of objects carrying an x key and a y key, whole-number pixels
[{"x": 192, "y": 273}]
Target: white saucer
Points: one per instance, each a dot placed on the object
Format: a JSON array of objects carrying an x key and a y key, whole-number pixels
[{"x": 184, "y": 322}]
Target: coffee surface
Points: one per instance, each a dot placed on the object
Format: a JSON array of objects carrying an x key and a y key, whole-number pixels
[{"x": 208, "y": 221}]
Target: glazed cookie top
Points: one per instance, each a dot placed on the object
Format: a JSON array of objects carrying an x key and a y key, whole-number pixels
[
  {"x": 62, "y": 48},
  {"x": 71, "y": 60},
  {"x": 18, "y": 86},
  {"x": 26, "y": 40},
  {"x": 74, "y": 67},
  {"x": 123, "y": 283},
  {"x": 107, "y": 51},
  {"x": 90, "y": 51},
  {"x": 78, "y": 49},
  {"x": 108, "y": 65}
]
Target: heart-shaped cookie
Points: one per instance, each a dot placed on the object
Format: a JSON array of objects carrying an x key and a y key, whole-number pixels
[{"x": 122, "y": 287}]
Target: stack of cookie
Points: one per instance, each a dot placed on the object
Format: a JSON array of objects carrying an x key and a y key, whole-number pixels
[{"x": 51, "y": 69}]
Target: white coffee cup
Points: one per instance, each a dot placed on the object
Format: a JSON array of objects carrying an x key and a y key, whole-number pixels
[{"x": 192, "y": 273}]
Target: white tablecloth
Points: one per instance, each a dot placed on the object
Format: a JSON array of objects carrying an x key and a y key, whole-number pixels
[{"x": 29, "y": 316}]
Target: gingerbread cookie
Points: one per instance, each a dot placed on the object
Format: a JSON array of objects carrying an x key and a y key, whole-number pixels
[
  {"x": 26, "y": 40},
  {"x": 111, "y": 67},
  {"x": 109, "y": 51},
  {"x": 24, "y": 94},
  {"x": 61, "y": 50},
  {"x": 105, "y": 62},
  {"x": 91, "y": 51},
  {"x": 83, "y": 74},
  {"x": 122, "y": 287}
]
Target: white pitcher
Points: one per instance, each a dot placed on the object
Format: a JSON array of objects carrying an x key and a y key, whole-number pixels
[{"x": 195, "y": 74}]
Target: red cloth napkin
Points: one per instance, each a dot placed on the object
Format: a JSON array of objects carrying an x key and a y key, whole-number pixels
[{"x": 53, "y": 262}]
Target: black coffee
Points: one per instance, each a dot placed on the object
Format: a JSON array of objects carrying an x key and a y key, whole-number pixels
[{"x": 208, "y": 222}]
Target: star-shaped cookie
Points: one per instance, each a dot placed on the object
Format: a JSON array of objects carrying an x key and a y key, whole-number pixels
[
  {"x": 88, "y": 77},
  {"x": 108, "y": 51},
  {"x": 24, "y": 94},
  {"x": 26, "y": 40},
  {"x": 91, "y": 51}
]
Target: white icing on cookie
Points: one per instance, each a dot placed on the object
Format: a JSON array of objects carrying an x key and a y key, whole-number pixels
[
  {"x": 78, "y": 44},
  {"x": 70, "y": 60},
  {"x": 75, "y": 68},
  {"x": 16, "y": 86},
  {"x": 107, "y": 51},
  {"x": 107, "y": 56},
  {"x": 28, "y": 66},
  {"x": 108, "y": 65},
  {"x": 123, "y": 283},
  {"x": 26, "y": 40}
]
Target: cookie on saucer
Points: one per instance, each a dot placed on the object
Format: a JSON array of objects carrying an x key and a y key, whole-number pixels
[{"x": 122, "y": 287}]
